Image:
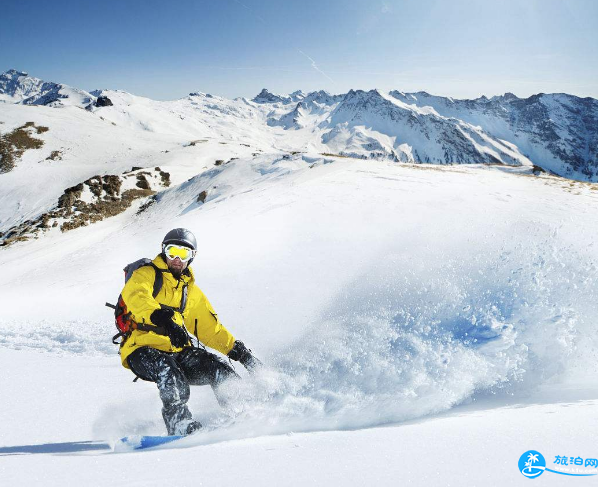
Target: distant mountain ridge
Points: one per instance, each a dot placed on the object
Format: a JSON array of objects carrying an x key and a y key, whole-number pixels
[
  {"x": 562, "y": 126},
  {"x": 558, "y": 132},
  {"x": 19, "y": 87}
]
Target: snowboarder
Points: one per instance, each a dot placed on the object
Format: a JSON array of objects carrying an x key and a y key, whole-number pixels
[{"x": 165, "y": 355}]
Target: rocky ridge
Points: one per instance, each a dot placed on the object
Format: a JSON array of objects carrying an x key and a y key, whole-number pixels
[{"x": 91, "y": 201}]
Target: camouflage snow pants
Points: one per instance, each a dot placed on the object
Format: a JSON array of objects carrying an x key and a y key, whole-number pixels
[{"x": 173, "y": 373}]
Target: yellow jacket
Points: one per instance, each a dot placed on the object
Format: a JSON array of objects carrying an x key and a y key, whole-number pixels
[{"x": 199, "y": 317}]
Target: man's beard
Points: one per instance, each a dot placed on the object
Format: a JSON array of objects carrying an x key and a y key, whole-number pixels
[{"x": 176, "y": 272}]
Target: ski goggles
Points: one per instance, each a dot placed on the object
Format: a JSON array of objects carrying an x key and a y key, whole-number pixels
[{"x": 172, "y": 251}]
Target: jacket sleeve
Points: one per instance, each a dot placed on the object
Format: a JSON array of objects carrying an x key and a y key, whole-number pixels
[
  {"x": 204, "y": 324},
  {"x": 137, "y": 294}
]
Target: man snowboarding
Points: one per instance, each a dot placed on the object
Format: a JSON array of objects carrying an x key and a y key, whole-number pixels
[{"x": 158, "y": 347}]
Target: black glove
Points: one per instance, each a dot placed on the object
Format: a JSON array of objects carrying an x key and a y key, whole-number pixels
[
  {"x": 177, "y": 334},
  {"x": 241, "y": 353}
]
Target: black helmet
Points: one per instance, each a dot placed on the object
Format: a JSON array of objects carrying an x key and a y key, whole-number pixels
[{"x": 180, "y": 236}]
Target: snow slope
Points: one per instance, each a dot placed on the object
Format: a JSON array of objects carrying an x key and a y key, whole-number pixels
[
  {"x": 92, "y": 144},
  {"x": 422, "y": 325}
]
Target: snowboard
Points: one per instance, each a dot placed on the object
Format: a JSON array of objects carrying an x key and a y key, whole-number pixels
[{"x": 141, "y": 442}]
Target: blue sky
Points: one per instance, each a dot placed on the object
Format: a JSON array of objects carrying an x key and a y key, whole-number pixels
[{"x": 164, "y": 50}]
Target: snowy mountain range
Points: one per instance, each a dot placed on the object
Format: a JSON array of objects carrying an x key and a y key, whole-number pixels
[{"x": 556, "y": 132}]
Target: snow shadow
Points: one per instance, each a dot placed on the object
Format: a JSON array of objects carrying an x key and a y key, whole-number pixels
[{"x": 56, "y": 448}]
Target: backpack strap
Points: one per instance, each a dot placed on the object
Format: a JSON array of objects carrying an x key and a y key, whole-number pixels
[
  {"x": 181, "y": 308},
  {"x": 120, "y": 335},
  {"x": 183, "y": 305},
  {"x": 160, "y": 330},
  {"x": 159, "y": 280}
]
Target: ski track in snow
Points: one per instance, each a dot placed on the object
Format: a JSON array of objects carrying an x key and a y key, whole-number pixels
[{"x": 77, "y": 337}]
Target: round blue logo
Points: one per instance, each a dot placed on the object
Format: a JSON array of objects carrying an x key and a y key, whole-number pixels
[{"x": 532, "y": 464}]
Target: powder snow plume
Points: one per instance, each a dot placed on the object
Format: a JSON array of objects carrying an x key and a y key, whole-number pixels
[{"x": 415, "y": 335}]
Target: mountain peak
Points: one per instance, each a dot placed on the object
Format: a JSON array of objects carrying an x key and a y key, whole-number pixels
[
  {"x": 18, "y": 87},
  {"x": 361, "y": 94},
  {"x": 266, "y": 97},
  {"x": 15, "y": 73},
  {"x": 200, "y": 94}
]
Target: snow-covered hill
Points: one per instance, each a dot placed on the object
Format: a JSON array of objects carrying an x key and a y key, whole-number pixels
[{"x": 376, "y": 292}]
